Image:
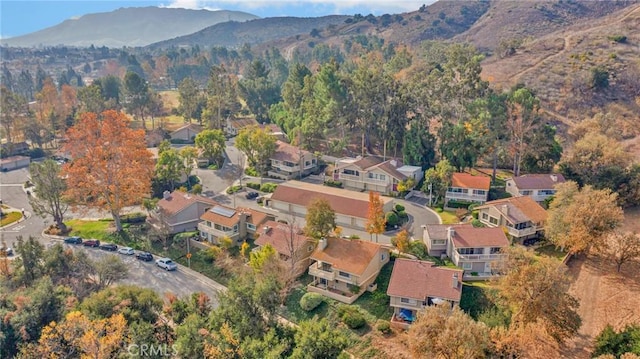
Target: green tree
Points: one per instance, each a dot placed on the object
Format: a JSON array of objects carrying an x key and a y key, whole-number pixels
[
  {"x": 317, "y": 338},
  {"x": 439, "y": 177},
  {"x": 523, "y": 119},
  {"x": 138, "y": 95},
  {"x": 222, "y": 97},
  {"x": 48, "y": 193},
  {"x": 189, "y": 96},
  {"x": 320, "y": 218},
  {"x": 258, "y": 145},
  {"x": 169, "y": 167},
  {"x": 418, "y": 146},
  {"x": 29, "y": 265},
  {"x": 135, "y": 303},
  {"x": 548, "y": 151},
  {"x": 109, "y": 270},
  {"x": 188, "y": 156},
  {"x": 258, "y": 91},
  {"x": 212, "y": 144}
]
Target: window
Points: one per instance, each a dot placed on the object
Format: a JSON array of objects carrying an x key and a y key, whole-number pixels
[
  {"x": 383, "y": 257},
  {"x": 526, "y": 193},
  {"x": 493, "y": 220},
  {"x": 288, "y": 164},
  {"x": 344, "y": 274},
  {"x": 351, "y": 172},
  {"x": 457, "y": 190},
  {"x": 465, "y": 250},
  {"x": 307, "y": 163},
  {"x": 547, "y": 192},
  {"x": 485, "y": 216},
  {"x": 523, "y": 225},
  {"x": 251, "y": 227},
  {"x": 377, "y": 176},
  {"x": 437, "y": 242},
  {"x": 221, "y": 227},
  {"x": 467, "y": 266},
  {"x": 404, "y": 300},
  {"x": 235, "y": 229},
  {"x": 495, "y": 250},
  {"x": 479, "y": 192},
  {"x": 208, "y": 224}
]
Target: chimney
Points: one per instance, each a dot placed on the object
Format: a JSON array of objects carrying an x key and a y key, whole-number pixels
[
  {"x": 394, "y": 163},
  {"x": 554, "y": 178},
  {"x": 454, "y": 281},
  {"x": 450, "y": 233},
  {"x": 505, "y": 209},
  {"x": 166, "y": 194},
  {"x": 266, "y": 229},
  {"x": 323, "y": 243}
]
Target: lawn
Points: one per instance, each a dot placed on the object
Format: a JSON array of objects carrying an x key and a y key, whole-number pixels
[
  {"x": 100, "y": 230},
  {"x": 550, "y": 250},
  {"x": 376, "y": 303},
  {"x": 476, "y": 298},
  {"x": 448, "y": 217},
  {"x": 9, "y": 218}
]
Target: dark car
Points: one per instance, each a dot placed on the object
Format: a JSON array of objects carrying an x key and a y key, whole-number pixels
[
  {"x": 144, "y": 256},
  {"x": 73, "y": 240},
  {"x": 251, "y": 195},
  {"x": 91, "y": 243},
  {"x": 109, "y": 247}
]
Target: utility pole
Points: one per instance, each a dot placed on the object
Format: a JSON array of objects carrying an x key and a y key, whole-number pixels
[
  {"x": 189, "y": 252},
  {"x": 430, "y": 194}
]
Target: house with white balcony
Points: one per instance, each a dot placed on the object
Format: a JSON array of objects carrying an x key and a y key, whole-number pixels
[
  {"x": 293, "y": 247},
  {"x": 522, "y": 217},
  {"x": 466, "y": 187},
  {"x": 415, "y": 285},
  {"x": 343, "y": 269},
  {"x": 289, "y": 162},
  {"x": 374, "y": 174},
  {"x": 475, "y": 250},
  {"x": 537, "y": 186},
  {"x": 238, "y": 224}
]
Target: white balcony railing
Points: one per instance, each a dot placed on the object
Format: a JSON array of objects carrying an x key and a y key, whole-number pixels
[
  {"x": 522, "y": 232},
  {"x": 477, "y": 257},
  {"x": 349, "y": 177},
  {"x": 218, "y": 233},
  {"x": 466, "y": 196},
  {"x": 317, "y": 271}
]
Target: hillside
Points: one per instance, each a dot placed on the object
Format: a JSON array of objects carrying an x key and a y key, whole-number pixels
[
  {"x": 559, "y": 67},
  {"x": 233, "y": 34},
  {"x": 136, "y": 26}
]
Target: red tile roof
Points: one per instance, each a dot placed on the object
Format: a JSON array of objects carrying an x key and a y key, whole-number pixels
[
  {"x": 538, "y": 181},
  {"x": 350, "y": 203},
  {"x": 279, "y": 237},
  {"x": 472, "y": 237},
  {"x": 287, "y": 152},
  {"x": 466, "y": 180},
  {"x": 348, "y": 255},
  {"x": 420, "y": 279},
  {"x": 178, "y": 201}
]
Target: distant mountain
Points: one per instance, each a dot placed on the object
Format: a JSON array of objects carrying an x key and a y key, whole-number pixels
[
  {"x": 256, "y": 31},
  {"x": 136, "y": 26}
]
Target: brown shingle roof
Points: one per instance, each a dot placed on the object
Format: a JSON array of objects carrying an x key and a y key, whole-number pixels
[
  {"x": 191, "y": 126},
  {"x": 367, "y": 162},
  {"x": 351, "y": 256},
  {"x": 287, "y": 152},
  {"x": 178, "y": 201},
  {"x": 391, "y": 170},
  {"x": 518, "y": 209},
  {"x": 255, "y": 217},
  {"x": 342, "y": 201},
  {"x": 472, "y": 237},
  {"x": 420, "y": 279},
  {"x": 240, "y": 123},
  {"x": 538, "y": 181},
  {"x": 466, "y": 180},
  {"x": 278, "y": 236}
]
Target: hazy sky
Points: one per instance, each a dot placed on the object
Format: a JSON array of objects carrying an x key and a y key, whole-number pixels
[{"x": 18, "y": 17}]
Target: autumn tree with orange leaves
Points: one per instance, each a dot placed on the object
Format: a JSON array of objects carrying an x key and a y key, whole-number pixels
[
  {"x": 111, "y": 167},
  {"x": 375, "y": 216}
]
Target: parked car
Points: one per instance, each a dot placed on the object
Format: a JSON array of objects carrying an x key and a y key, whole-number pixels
[
  {"x": 109, "y": 247},
  {"x": 73, "y": 240},
  {"x": 91, "y": 243},
  {"x": 126, "y": 251},
  {"x": 166, "y": 263},
  {"x": 8, "y": 251},
  {"x": 144, "y": 256},
  {"x": 251, "y": 195}
]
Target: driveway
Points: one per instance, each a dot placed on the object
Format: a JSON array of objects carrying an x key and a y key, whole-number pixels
[{"x": 182, "y": 282}]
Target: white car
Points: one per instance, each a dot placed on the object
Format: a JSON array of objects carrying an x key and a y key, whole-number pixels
[
  {"x": 166, "y": 263},
  {"x": 126, "y": 251}
]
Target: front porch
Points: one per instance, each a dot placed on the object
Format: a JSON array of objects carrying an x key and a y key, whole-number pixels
[{"x": 333, "y": 290}]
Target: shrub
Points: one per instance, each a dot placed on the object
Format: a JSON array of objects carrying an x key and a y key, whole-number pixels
[
  {"x": 268, "y": 187},
  {"x": 178, "y": 141},
  {"x": 351, "y": 316},
  {"x": 618, "y": 38},
  {"x": 332, "y": 183},
  {"x": 311, "y": 301},
  {"x": 392, "y": 219},
  {"x": 250, "y": 171},
  {"x": 399, "y": 207},
  {"x": 36, "y": 153},
  {"x": 383, "y": 326},
  {"x": 402, "y": 214},
  {"x": 477, "y": 224},
  {"x": 459, "y": 204},
  {"x": 213, "y": 167},
  {"x": 253, "y": 185},
  {"x": 234, "y": 189},
  {"x": 599, "y": 78},
  {"x": 197, "y": 189},
  {"x": 418, "y": 249},
  {"x": 133, "y": 218}
]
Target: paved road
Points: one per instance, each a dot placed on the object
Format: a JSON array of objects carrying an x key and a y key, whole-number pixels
[
  {"x": 181, "y": 282},
  {"x": 13, "y": 195}
]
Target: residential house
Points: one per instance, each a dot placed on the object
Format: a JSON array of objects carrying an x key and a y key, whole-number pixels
[
  {"x": 343, "y": 269},
  {"x": 416, "y": 284},
  {"x": 374, "y": 174},
  {"x": 14, "y": 148},
  {"x": 522, "y": 216},
  {"x": 179, "y": 212},
  {"x": 235, "y": 125},
  {"x": 186, "y": 133},
  {"x": 237, "y": 224},
  {"x": 275, "y": 131},
  {"x": 466, "y": 187},
  {"x": 476, "y": 250},
  {"x": 14, "y": 162},
  {"x": 537, "y": 186},
  {"x": 289, "y": 162},
  {"x": 351, "y": 208},
  {"x": 290, "y": 243},
  {"x": 155, "y": 137}
]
